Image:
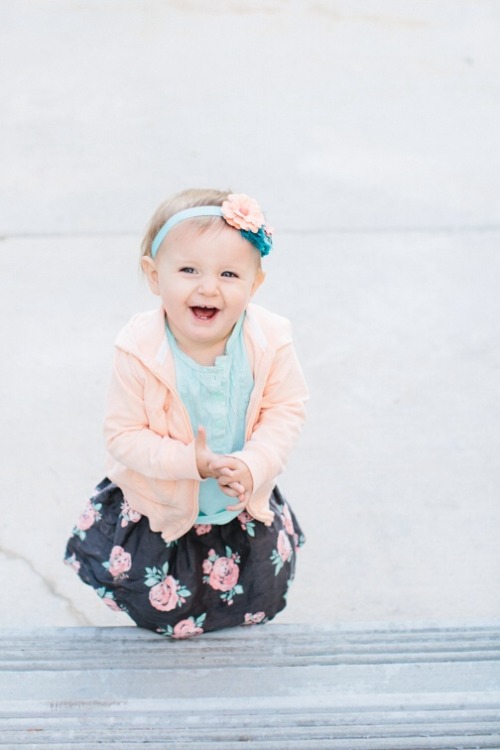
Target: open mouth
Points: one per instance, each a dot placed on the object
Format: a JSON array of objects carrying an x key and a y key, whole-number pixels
[{"x": 204, "y": 313}]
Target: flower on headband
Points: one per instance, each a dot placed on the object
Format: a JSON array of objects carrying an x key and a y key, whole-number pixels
[{"x": 243, "y": 213}]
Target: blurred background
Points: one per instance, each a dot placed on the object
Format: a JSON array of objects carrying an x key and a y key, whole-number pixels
[{"x": 368, "y": 130}]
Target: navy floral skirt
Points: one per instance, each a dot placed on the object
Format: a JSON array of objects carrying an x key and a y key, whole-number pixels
[{"x": 213, "y": 577}]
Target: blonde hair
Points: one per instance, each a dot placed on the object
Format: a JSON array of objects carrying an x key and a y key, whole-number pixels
[{"x": 178, "y": 202}]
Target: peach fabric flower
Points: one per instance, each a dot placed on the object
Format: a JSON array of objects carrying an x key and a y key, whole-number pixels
[{"x": 242, "y": 212}]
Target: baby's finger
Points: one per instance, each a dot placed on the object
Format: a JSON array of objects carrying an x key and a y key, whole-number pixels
[
  {"x": 201, "y": 436},
  {"x": 219, "y": 462},
  {"x": 218, "y": 466},
  {"x": 240, "y": 506},
  {"x": 225, "y": 481},
  {"x": 230, "y": 492},
  {"x": 237, "y": 487},
  {"x": 234, "y": 489}
]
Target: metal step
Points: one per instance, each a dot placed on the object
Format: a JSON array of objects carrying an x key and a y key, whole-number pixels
[{"x": 273, "y": 686}]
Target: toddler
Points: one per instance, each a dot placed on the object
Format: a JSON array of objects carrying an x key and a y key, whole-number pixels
[{"x": 188, "y": 533}]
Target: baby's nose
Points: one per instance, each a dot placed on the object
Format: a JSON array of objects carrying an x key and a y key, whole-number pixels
[{"x": 208, "y": 284}]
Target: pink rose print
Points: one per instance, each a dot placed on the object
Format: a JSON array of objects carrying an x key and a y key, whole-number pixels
[
  {"x": 287, "y": 520},
  {"x": 284, "y": 546},
  {"x": 247, "y": 523},
  {"x": 128, "y": 514},
  {"x": 111, "y": 604},
  {"x": 73, "y": 562},
  {"x": 166, "y": 592},
  {"x": 119, "y": 562},
  {"x": 244, "y": 517},
  {"x": 202, "y": 528},
  {"x": 254, "y": 619},
  {"x": 222, "y": 574},
  {"x": 186, "y": 629},
  {"x": 283, "y": 553},
  {"x": 87, "y": 519},
  {"x": 108, "y": 599},
  {"x": 163, "y": 596}
]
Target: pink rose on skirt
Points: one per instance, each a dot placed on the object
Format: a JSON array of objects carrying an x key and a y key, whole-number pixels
[
  {"x": 111, "y": 604},
  {"x": 129, "y": 514},
  {"x": 207, "y": 567},
  {"x": 202, "y": 528},
  {"x": 73, "y": 562},
  {"x": 287, "y": 520},
  {"x": 88, "y": 517},
  {"x": 254, "y": 619},
  {"x": 284, "y": 546},
  {"x": 186, "y": 629},
  {"x": 119, "y": 561},
  {"x": 224, "y": 574},
  {"x": 164, "y": 595},
  {"x": 244, "y": 518}
]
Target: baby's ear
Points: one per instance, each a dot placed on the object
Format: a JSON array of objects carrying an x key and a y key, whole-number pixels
[
  {"x": 259, "y": 279},
  {"x": 151, "y": 273}
]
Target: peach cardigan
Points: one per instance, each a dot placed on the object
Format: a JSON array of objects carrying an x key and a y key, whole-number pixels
[{"x": 147, "y": 430}]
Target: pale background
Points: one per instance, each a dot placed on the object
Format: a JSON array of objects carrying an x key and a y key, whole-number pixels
[{"x": 369, "y": 132}]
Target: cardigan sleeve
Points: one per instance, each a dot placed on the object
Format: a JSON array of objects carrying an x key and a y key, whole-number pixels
[
  {"x": 279, "y": 419},
  {"x": 128, "y": 435}
]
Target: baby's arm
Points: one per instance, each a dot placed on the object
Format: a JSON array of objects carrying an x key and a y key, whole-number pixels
[
  {"x": 280, "y": 419},
  {"x": 127, "y": 433}
]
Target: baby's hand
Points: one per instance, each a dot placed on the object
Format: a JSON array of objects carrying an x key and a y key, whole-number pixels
[{"x": 234, "y": 478}]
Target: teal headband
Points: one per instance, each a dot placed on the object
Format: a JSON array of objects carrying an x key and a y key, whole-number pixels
[
  {"x": 238, "y": 211},
  {"x": 188, "y": 213}
]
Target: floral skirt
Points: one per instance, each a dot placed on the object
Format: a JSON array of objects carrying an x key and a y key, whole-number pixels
[{"x": 213, "y": 577}]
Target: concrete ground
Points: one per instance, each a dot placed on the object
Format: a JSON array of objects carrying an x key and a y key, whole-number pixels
[{"x": 368, "y": 130}]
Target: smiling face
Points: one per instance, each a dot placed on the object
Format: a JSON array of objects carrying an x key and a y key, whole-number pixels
[{"x": 205, "y": 279}]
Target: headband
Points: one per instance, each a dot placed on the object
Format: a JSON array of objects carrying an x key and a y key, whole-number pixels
[{"x": 238, "y": 211}]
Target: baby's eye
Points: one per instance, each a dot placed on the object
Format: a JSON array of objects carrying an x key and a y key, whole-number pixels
[
  {"x": 187, "y": 269},
  {"x": 229, "y": 275}
]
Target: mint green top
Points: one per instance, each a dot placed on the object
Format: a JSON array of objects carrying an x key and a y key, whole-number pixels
[{"x": 216, "y": 397}]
